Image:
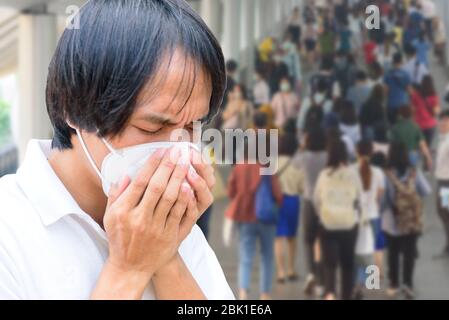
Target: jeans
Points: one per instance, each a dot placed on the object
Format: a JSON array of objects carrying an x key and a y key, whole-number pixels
[
  {"x": 405, "y": 246},
  {"x": 249, "y": 234},
  {"x": 339, "y": 251}
]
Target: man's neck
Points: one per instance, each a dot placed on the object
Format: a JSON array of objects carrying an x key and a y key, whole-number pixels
[{"x": 77, "y": 180}]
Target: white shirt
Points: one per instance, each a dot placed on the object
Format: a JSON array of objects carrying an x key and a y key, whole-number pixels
[
  {"x": 51, "y": 249},
  {"x": 415, "y": 71},
  {"x": 261, "y": 92},
  {"x": 369, "y": 199},
  {"x": 428, "y": 9}
]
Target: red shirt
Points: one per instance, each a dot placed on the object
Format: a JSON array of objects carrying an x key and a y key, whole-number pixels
[
  {"x": 424, "y": 110},
  {"x": 370, "y": 48},
  {"x": 242, "y": 187}
]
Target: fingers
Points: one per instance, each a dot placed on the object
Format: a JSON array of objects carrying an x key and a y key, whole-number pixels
[
  {"x": 179, "y": 208},
  {"x": 171, "y": 193},
  {"x": 159, "y": 181},
  {"x": 201, "y": 190},
  {"x": 117, "y": 190},
  {"x": 190, "y": 218},
  {"x": 205, "y": 170},
  {"x": 136, "y": 189}
]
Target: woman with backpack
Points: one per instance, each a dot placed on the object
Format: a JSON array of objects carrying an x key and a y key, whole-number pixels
[
  {"x": 373, "y": 182},
  {"x": 402, "y": 220},
  {"x": 337, "y": 197},
  {"x": 254, "y": 204},
  {"x": 291, "y": 180}
]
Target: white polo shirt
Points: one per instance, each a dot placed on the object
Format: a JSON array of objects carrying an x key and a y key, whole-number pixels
[{"x": 51, "y": 249}]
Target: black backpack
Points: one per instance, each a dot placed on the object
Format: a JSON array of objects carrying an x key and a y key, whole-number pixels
[
  {"x": 315, "y": 116},
  {"x": 329, "y": 79}
]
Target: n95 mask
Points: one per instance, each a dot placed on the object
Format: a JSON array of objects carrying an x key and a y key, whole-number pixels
[{"x": 129, "y": 161}]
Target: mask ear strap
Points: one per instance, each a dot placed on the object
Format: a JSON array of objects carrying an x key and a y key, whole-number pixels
[
  {"x": 108, "y": 145},
  {"x": 89, "y": 157}
]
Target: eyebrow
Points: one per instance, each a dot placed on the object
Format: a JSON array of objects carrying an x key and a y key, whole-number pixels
[
  {"x": 157, "y": 118},
  {"x": 162, "y": 119}
]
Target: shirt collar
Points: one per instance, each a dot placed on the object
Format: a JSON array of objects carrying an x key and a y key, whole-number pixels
[{"x": 47, "y": 194}]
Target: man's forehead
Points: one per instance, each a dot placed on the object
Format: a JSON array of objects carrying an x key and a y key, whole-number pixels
[{"x": 178, "y": 82}]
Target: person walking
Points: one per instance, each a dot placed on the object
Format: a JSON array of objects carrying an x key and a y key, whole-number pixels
[
  {"x": 245, "y": 185},
  {"x": 373, "y": 181},
  {"x": 311, "y": 160},
  {"x": 426, "y": 104},
  {"x": 337, "y": 198},
  {"x": 402, "y": 221},
  {"x": 291, "y": 180},
  {"x": 285, "y": 103}
]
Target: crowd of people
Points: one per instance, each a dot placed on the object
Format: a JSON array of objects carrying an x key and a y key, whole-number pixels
[{"x": 359, "y": 116}]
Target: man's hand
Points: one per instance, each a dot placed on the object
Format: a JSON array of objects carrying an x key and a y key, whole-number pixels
[{"x": 143, "y": 223}]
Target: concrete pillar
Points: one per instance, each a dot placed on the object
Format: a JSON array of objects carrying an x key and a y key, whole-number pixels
[
  {"x": 37, "y": 42},
  {"x": 209, "y": 11},
  {"x": 231, "y": 29},
  {"x": 248, "y": 39},
  {"x": 258, "y": 16}
]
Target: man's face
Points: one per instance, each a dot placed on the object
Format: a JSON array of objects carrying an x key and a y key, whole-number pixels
[{"x": 168, "y": 104}]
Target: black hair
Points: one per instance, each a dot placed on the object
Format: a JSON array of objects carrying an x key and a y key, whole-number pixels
[
  {"x": 316, "y": 140},
  {"x": 327, "y": 63},
  {"x": 410, "y": 50},
  {"x": 405, "y": 112},
  {"x": 232, "y": 66},
  {"x": 100, "y": 69},
  {"x": 337, "y": 154},
  {"x": 361, "y": 75},
  {"x": 260, "y": 120},
  {"x": 348, "y": 115},
  {"x": 322, "y": 85},
  {"x": 290, "y": 126},
  {"x": 397, "y": 58},
  {"x": 398, "y": 158},
  {"x": 288, "y": 144}
]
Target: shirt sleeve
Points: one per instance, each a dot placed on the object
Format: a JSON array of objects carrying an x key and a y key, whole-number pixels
[{"x": 204, "y": 266}]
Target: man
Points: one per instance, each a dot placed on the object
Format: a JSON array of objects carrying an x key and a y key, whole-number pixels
[
  {"x": 360, "y": 91},
  {"x": 115, "y": 87},
  {"x": 429, "y": 12},
  {"x": 415, "y": 69},
  {"x": 317, "y": 99},
  {"x": 407, "y": 132},
  {"x": 327, "y": 75},
  {"x": 397, "y": 83}
]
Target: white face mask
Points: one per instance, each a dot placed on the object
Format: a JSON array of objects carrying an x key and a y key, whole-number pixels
[{"x": 129, "y": 161}]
